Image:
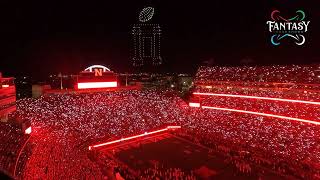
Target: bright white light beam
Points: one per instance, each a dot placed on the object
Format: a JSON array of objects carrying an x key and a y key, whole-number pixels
[
  {"x": 89, "y": 85},
  {"x": 191, "y": 104},
  {"x": 28, "y": 130},
  {"x": 134, "y": 137},
  {"x": 257, "y": 97},
  {"x": 263, "y": 114}
]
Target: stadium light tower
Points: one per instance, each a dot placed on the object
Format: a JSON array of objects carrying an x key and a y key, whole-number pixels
[{"x": 60, "y": 76}]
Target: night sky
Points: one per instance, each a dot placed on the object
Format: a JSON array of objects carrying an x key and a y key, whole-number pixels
[{"x": 39, "y": 38}]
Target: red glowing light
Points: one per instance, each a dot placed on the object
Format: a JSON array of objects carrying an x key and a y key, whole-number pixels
[
  {"x": 262, "y": 114},
  {"x": 89, "y": 85},
  {"x": 174, "y": 127},
  {"x": 134, "y": 137},
  {"x": 257, "y": 97},
  {"x": 28, "y": 130},
  {"x": 5, "y": 85},
  {"x": 194, "y": 104}
]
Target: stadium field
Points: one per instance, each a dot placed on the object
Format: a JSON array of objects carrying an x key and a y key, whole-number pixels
[{"x": 174, "y": 152}]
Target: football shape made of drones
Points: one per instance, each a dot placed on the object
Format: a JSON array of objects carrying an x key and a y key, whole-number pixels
[{"x": 146, "y": 14}]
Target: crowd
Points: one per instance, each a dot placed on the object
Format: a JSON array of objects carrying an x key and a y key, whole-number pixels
[
  {"x": 263, "y": 136},
  {"x": 112, "y": 168},
  {"x": 280, "y": 74},
  {"x": 276, "y": 144},
  {"x": 288, "y": 109},
  {"x": 161, "y": 172},
  {"x": 261, "y": 92},
  {"x": 12, "y": 140},
  {"x": 64, "y": 125}
]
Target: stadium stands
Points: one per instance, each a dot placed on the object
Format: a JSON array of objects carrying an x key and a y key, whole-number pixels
[
  {"x": 65, "y": 125},
  {"x": 12, "y": 140}
]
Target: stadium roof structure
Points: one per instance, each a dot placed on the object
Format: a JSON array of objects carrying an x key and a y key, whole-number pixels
[{"x": 90, "y": 68}]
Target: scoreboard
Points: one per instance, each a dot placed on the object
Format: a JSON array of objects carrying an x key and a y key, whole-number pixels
[{"x": 96, "y": 76}]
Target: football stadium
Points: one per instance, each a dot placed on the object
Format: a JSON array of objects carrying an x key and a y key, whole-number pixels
[
  {"x": 160, "y": 90},
  {"x": 240, "y": 123}
]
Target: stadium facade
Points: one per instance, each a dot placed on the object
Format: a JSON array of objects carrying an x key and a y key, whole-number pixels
[
  {"x": 96, "y": 76},
  {"x": 7, "y": 97}
]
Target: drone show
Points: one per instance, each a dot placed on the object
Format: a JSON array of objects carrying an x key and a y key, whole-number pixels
[{"x": 160, "y": 90}]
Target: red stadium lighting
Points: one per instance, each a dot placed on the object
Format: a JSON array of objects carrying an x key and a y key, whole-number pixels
[
  {"x": 28, "y": 130},
  {"x": 89, "y": 85},
  {"x": 134, "y": 137},
  {"x": 262, "y": 114},
  {"x": 174, "y": 127},
  {"x": 194, "y": 104},
  {"x": 257, "y": 97}
]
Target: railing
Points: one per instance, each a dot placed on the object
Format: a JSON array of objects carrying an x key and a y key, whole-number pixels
[
  {"x": 7, "y": 100},
  {"x": 8, "y": 90},
  {"x": 8, "y": 110},
  {"x": 135, "y": 137}
]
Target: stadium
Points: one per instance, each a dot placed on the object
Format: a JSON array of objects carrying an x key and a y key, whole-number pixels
[
  {"x": 153, "y": 89},
  {"x": 240, "y": 123}
]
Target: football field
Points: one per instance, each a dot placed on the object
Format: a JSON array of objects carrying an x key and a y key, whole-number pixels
[{"x": 174, "y": 152}]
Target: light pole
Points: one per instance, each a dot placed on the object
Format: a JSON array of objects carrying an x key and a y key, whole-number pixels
[{"x": 60, "y": 75}]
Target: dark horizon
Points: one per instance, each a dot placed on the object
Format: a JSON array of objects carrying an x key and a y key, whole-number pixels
[{"x": 42, "y": 38}]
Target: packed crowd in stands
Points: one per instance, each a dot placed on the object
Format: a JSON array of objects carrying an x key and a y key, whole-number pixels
[
  {"x": 161, "y": 172},
  {"x": 261, "y": 92},
  {"x": 65, "y": 125},
  {"x": 293, "y": 82},
  {"x": 156, "y": 171},
  {"x": 288, "y": 109},
  {"x": 12, "y": 140},
  {"x": 280, "y": 74},
  {"x": 275, "y": 142}
]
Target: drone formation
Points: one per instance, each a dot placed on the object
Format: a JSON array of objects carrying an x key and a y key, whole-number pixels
[{"x": 146, "y": 14}]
